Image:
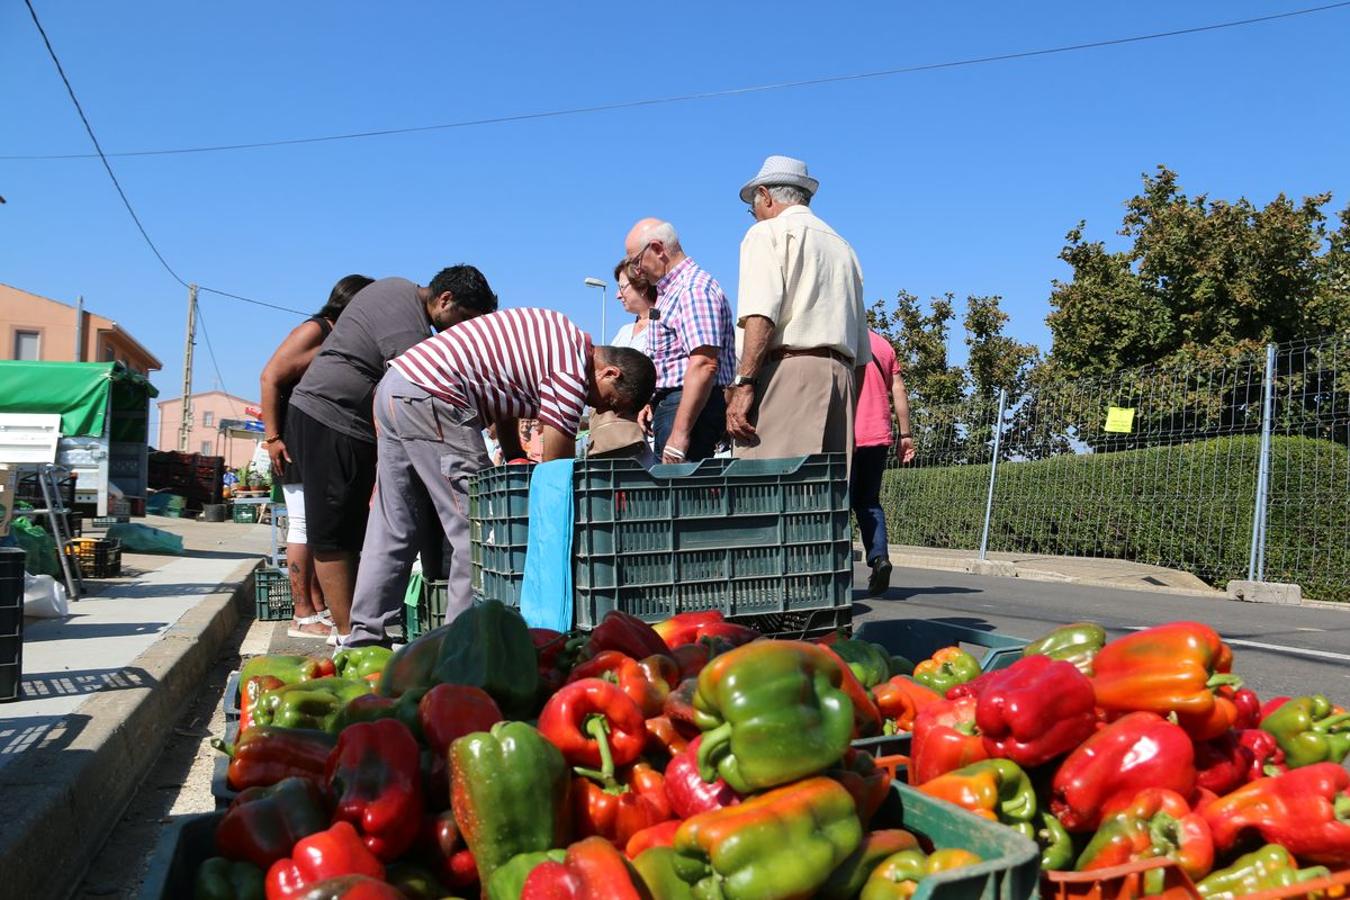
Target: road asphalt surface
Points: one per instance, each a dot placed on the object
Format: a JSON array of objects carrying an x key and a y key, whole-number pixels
[{"x": 1277, "y": 649}]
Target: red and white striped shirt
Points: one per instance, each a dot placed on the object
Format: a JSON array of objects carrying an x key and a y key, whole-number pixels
[{"x": 521, "y": 363}]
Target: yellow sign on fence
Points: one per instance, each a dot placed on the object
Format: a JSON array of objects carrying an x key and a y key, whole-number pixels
[{"x": 1119, "y": 420}]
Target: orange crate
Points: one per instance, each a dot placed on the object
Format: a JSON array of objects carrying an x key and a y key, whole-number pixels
[
  {"x": 1117, "y": 883},
  {"x": 1336, "y": 885}
]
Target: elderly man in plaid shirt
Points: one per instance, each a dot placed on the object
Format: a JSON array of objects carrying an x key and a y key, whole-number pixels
[{"x": 692, "y": 343}]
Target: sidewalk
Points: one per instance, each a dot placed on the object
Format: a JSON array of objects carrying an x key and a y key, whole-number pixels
[
  {"x": 1116, "y": 573},
  {"x": 101, "y": 690}
]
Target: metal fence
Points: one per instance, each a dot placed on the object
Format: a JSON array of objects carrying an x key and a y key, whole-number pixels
[{"x": 1229, "y": 467}]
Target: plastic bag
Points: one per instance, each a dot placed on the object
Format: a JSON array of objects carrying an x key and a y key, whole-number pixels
[
  {"x": 44, "y": 597},
  {"x": 37, "y": 544},
  {"x": 138, "y": 538}
]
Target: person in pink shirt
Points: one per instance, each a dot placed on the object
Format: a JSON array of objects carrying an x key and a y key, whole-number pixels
[{"x": 881, "y": 386}]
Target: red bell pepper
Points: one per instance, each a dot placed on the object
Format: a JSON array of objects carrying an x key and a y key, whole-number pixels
[
  {"x": 1177, "y": 668},
  {"x": 1267, "y": 757},
  {"x": 899, "y": 701},
  {"x": 328, "y": 854},
  {"x": 375, "y": 778},
  {"x": 1305, "y": 810},
  {"x": 689, "y": 794},
  {"x": 1140, "y": 750},
  {"x": 679, "y": 708},
  {"x": 592, "y": 870},
  {"x": 1248, "y": 707},
  {"x": 594, "y": 723},
  {"x": 865, "y": 783},
  {"x": 945, "y": 739},
  {"x": 1035, "y": 710},
  {"x": 263, "y": 824},
  {"x": 619, "y": 809},
  {"x": 866, "y": 717},
  {"x": 265, "y": 754},
  {"x": 659, "y": 835},
  {"x": 1222, "y": 764},
  {"x": 646, "y": 683},
  {"x": 972, "y": 688},
  {"x": 626, "y": 633},
  {"x": 450, "y": 711},
  {"x": 352, "y": 887},
  {"x": 691, "y": 658},
  {"x": 1156, "y": 823},
  {"x": 249, "y": 692},
  {"x": 683, "y": 628},
  {"x": 442, "y": 846},
  {"x": 663, "y": 740}
]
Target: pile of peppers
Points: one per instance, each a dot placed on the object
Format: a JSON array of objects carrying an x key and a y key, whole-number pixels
[
  {"x": 695, "y": 758},
  {"x": 1147, "y": 747}
]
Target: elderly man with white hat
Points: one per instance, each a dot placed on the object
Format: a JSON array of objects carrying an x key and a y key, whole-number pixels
[{"x": 802, "y": 328}]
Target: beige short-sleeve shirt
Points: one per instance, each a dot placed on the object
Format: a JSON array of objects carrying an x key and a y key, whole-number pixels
[{"x": 802, "y": 276}]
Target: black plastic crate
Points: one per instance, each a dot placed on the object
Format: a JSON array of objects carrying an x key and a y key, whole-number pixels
[
  {"x": 229, "y": 701},
  {"x": 29, "y": 489},
  {"x": 97, "y": 557},
  {"x": 183, "y": 846},
  {"x": 272, "y": 594},
  {"x": 11, "y": 665},
  {"x": 220, "y": 772}
]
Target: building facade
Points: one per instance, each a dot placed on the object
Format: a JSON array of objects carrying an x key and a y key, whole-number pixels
[
  {"x": 37, "y": 328},
  {"x": 209, "y": 409}
]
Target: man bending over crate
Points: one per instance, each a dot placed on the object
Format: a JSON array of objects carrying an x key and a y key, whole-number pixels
[{"x": 430, "y": 410}]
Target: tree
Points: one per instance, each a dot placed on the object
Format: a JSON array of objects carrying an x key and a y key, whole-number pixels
[{"x": 1199, "y": 273}]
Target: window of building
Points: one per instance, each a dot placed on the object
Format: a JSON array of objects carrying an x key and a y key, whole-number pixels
[
  {"x": 206, "y": 448},
  {"x": 28, "y": 345},
  {"x": 208, "y": 419},
  {"x": 109, "y": 354}
]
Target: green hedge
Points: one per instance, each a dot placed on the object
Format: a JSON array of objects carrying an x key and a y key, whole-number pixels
[{"x": 1187, "y": 506}]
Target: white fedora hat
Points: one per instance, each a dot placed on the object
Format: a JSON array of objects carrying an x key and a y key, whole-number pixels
[{"x": 781, "y": 170}]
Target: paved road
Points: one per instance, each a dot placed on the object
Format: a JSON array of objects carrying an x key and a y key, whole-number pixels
[{"x": 1278, "y": 650}]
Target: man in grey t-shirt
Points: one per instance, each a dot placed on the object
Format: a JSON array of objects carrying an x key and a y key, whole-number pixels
[{"x": 329, "y": 427}]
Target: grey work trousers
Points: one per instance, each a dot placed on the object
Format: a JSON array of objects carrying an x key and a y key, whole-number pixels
[{"x": 428, "y": 450}]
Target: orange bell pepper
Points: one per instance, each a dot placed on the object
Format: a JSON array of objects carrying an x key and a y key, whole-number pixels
[{"x": 900, "y": 700}]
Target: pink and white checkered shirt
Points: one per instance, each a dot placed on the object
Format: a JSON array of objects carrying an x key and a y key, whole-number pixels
[{"x": 693, "y": 312}]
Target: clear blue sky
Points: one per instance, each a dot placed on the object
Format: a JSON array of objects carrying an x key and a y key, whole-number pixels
[{"x": 961, "y": 180}]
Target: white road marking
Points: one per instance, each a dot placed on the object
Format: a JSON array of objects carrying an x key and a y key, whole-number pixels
[{"x": 1297, "y": 651}]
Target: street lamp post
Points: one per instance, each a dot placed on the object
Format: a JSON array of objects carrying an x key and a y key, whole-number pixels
[{"x": 597, "y": 283}]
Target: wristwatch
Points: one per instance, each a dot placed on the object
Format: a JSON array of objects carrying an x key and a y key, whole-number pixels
[
  {"x": 272, "y": 440},
  {"x": 742, "y": 381}
]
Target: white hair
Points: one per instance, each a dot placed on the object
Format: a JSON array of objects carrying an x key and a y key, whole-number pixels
[
  {"x": 663, "y": 232},
  {"x": 789, "y": 195}
]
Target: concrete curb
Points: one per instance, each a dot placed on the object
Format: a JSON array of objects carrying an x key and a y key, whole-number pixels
[{"x": 60, "y": 802}]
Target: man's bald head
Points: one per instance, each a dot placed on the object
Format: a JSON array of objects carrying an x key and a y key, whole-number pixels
[{"x": 653, "y": 247}]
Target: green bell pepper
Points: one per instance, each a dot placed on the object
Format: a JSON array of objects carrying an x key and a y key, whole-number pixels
[
  {"x": 779, "y": 844},
  {"x": 898, "y": 876},
  {"x": 225, "y": 879},
  {"x": 309, "y": 704},
  {"x": 371, "y": 707},
  {"x": 414, "y": 882},
  {"x": 1309, "y": 731},
  {"x": 900, "y": 665},
  {"x": 509, "y": 792},
  {"x": 1077, "y": 644},
  {"x": 290, "y": 669},
  {"x": 947, "y": 668},
  {"x": 359, "y": 663},
  {"x": 656, "y": 867},
  {"x": 871, "y": 663},
  {"x": 1048, "y": 833},
  {"x": 847, "y": 881},
  {"x": 489, "y": 646},
  {"x": 1265, "y": 869},
  {"x": 771, "y": 712},
  {"x": 412, "y": 665},
  {"x": 509, "y": 880}
]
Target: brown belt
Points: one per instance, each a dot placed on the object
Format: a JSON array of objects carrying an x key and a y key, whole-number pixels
[{"x": 826, "y": 352}]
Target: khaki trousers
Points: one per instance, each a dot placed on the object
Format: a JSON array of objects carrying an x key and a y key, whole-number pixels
[{"x": 804, "y": 405}]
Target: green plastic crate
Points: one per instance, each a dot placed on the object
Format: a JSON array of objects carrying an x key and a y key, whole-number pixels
[
  {"x": 1009, "y": 867},
  {"x": 749, "y": 538},
  {"x": 918, "y": 639},
  {"x": 245, "y": 513},
  {"x": 272, "y": 594}
]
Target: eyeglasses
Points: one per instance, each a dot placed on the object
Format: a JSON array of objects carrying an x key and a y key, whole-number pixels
[
  {"x": 636, "y": 258},
  {"x": 754, "y": 202},
  {"x": 624, "y": 285}
]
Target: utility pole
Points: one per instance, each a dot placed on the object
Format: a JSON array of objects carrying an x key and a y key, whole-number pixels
[{"x": 185, "y": 428}]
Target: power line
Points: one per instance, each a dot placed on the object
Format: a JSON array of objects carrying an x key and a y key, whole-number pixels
[
  {"x": 211, "y": 290},
  {"x": 103, "y": 157},
  {"x": 702, "y": 95},
  {"x": 211, "y": 352}
]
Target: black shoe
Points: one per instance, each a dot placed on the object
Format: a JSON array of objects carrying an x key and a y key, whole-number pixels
[{"x": 881, "y": 578}]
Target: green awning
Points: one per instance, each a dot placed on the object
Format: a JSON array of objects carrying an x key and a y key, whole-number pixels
[{"x": 78, "y": 392}]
